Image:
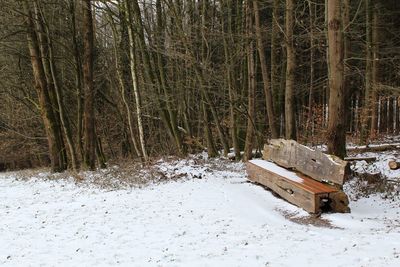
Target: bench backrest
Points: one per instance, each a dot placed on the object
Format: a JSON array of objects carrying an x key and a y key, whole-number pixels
[{"x": 313, "y": 163}]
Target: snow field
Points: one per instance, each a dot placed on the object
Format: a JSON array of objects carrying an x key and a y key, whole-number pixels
[{"x": 219, "y": 220}]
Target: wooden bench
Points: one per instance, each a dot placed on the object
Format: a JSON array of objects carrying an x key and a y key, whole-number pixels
[{"x": 309, "y": 179}]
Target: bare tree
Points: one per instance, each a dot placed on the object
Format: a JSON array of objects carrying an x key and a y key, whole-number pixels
[
  {"x": 336, "y": 132},
  {"x": 53, "y": 133},
  {"x": 89, "y": 91},
  {"x": 290, "y": 119},
  {"x": 264, "y": 71}
]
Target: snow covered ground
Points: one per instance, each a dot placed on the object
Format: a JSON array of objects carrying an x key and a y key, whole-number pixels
[{"x": 210, "y": 217}]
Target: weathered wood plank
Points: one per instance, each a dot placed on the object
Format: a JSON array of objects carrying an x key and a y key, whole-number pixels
[
  {"x": 297, "y": 188},
  {"x": 284, "y": 187},
  {"x": 315, "y": 164}
]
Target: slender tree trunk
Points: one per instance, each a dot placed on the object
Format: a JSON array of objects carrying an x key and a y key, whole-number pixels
[
  {"x": 89, "y": 117},
  {"x": 211, "y": 149},
  {"x": 58, "y": 94},
  {"x": 228, "y": 43},
  {"x": 170, "y": 102},
  {"x": 201, "y": 73},
  {"x": 46, "y": 110},
  {"x": 374, "y": 65},
  {"x": 265, "y": 74},
  {"x": 250, "y": 131},
  {"x": 44, "y": 51},
  {"x": 310, "y": 117},
  {"x": 397, "y": 115},
  {"x": 78, "y": 78},
  {"x": 390, "y": 115},
  {"x": 290, "y": 118},
  {"x": 275, "y": 74},
  {"x": 383, "y": 114},
  {"x": 122, "y": 85},
  {"x": 347, "y": 50},
  {"x": 336, "y": 132},
  {"x": 367, "y": 128},
  {"x": 100, "y": 153},
  {"x": 134, "y": 80}
]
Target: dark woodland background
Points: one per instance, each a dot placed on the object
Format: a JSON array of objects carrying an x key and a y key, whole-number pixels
[{"x": 84, "y": 82}]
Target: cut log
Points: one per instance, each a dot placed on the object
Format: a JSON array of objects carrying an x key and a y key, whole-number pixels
[
  {"x": 394, "y": 165},
  {"x": 297, "y": 188},
  {"x": 373, "y": 148},
  {"x": 313, "y": 163},
  {"x": 367, "y": 159},
  {"x": 339, "y": 202}
]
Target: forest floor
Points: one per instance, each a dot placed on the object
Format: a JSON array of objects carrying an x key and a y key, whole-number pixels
[{"x": 191, "y": 212}]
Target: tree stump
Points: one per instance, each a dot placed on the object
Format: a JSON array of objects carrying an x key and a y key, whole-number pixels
[{"x": 394, "y": 165}]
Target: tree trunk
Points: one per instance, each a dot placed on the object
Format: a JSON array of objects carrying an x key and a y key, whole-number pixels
[
  {"x": 368, "y": 129},
  {"x": 211, "y": 150},
  {"x": 265, "y": 74},
  {"x": 347, "y": 50},
  {"x": 78, "y": 78},
  {"x": 310, "y": 117},
  {"x": 383, "y": 114},
  {"x": 169, "y": 100},
  {"x": 44, "y": 28},
  {"x": 397, "y": 115},
  {"x": 134, "y": 80},
  {"x": 373, "y": 48},
  {"x": 228, "y": 43},
  {"x": 88, "y": 113},
  {"x": 44, "y": 51},
  {"x": 46, "y": 110},
  {"x": 275, "y": 74},
  {"x": 290, "y": 119},
  {"x": 205, "y": 61},
  {"x": 390, "y": 115},
  {"x": 336, "y": 132},
  {"x": 251, "y": 111},
  {"x": 122, "y": 80}
]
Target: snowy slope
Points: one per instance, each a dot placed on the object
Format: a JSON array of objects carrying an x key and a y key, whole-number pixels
[{"x": 218, "y": 220}]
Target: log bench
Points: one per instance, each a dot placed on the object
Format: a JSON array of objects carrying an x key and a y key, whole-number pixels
[{"x": 306, "y": 178}]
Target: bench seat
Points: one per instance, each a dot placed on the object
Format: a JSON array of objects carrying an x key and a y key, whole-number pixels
[{"x": 297, "y": 188}]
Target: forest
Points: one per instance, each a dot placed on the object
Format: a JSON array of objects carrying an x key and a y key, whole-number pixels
[
  {"x": 200, "y": 133},
  {"x": 84, "y": 82}
]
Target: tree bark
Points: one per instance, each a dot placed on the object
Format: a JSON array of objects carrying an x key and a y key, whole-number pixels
[
  {"x": 122, "y": 80},
  {"x": 228, "y": 43},
  {"x": 135, "y": 81},
  {"x": 350, "y": 95},
  {"x": 78, "y": 77},
  {"x": 164, "y": 84},
  {"x": 251, "y": 111},
  {"x": 264, "y": 72},
  {"x": 45, "y": 53},
  {"x": 310, "y": 117},
  {"x": 373, "y": 46},
  {"x": 290, "y": 119},
  {"x": 46, "y": 110},
  {"x": 336, "y": 132},
  {"x": 88, "y": 113},
  {"x": 390, "y": 115},
  {"x": 275, "y": 74},
  {"x": 44, "y": 28}
]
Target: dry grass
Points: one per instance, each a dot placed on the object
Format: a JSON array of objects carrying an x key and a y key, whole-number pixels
[{"x": 131, "y": 174}]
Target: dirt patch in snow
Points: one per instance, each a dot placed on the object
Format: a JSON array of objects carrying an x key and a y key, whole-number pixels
[{"x": 311, "y": 219}]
